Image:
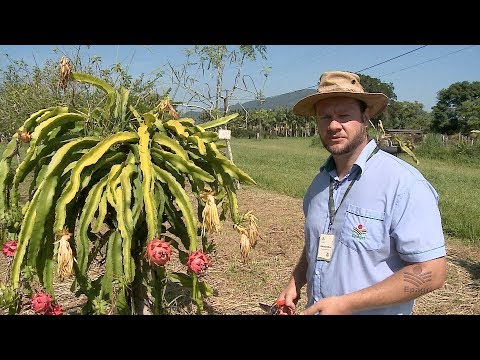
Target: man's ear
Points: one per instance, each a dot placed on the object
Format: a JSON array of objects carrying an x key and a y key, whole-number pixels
[{"x": 366, "y": 116}]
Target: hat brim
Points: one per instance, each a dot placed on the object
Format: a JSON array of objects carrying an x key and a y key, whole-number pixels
[{"x": 376, "y": 102}]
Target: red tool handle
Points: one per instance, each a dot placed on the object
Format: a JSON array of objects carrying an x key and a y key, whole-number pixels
[{"x": 285, "y": 309}]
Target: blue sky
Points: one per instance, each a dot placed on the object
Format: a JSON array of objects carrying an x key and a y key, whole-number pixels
[{"x": 417, "y": 76}]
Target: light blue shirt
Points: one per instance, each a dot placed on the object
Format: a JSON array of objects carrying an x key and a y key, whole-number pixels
[{"x": 389, "y": 218}]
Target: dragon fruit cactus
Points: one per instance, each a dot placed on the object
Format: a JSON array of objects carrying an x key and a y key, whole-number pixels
[
  {"x": 42, "y": 302},
  {"x": 9, "y": 248},
  {"x": 158, "y": 252},
  {"x": 198, "y": 262}
]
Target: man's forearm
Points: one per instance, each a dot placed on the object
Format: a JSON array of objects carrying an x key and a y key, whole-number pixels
[
  {"x": 299, "y": 274},
  {"x": 409, "y": 283}
]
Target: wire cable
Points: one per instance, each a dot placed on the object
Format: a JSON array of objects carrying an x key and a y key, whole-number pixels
[
  {"x": 424, "y": 62},
  {"x": 383, "y": 62},
  {"x": 396, "y": 57}
]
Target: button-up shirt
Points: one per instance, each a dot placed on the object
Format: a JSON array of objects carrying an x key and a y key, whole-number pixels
[{"x": 388, "y": 219}]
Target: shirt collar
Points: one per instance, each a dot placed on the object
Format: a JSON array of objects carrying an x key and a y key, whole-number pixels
[{"x": 329, "y": 164}]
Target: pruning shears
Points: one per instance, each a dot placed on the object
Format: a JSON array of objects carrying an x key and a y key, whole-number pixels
[{"x": 273, "y": 309}]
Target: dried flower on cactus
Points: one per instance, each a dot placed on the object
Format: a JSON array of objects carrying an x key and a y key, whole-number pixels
[
  {"x": 245, "y": 245},
  {"x": 210, "y": 218},
  {"x": 65, "y": 72},
  {"x": 65, "y": 256},
  {"x": 167, "y": 107},
  {"x": 252, "y": 228},
  {"x": 24, "y": 136},
  {"x": 158, "y": 252},
  {"x": 248, "y": 234}
]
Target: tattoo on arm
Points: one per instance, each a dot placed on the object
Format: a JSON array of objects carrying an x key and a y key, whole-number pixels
[{"x": 417, "y": 281}]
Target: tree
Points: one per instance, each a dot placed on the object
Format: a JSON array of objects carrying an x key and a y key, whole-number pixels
[
  {"x": 22, "y": 89},
  {"x": 25, "y": 88},
  {"x": 408, "y": 115},
  {"x": 371, "y": 84},
  {"x": 469, "y": 115},
  {"x": 447, "y": 117},
  {"x": 214, "y": 59}
]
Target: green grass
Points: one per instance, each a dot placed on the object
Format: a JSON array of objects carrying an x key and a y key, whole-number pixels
[
  {"x": 457, "y": 186},
  {"x": 287, "y": 166}
]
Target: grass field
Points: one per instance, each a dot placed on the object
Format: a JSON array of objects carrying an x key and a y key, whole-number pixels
[
  {"x": 287, "y": 165},
  {"x": 284, "y": 168}
]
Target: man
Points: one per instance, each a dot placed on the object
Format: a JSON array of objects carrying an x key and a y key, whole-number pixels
[{"x": 373, "y": 233}]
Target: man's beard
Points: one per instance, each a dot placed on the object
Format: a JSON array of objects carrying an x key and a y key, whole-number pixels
[{"x": 352, "y": 144}]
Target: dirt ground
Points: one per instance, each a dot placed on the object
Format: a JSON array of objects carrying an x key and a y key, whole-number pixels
[{"x": 239, "y": 288}]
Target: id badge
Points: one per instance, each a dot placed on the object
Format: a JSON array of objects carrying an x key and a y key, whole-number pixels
[{"x": 325, "y": 247}]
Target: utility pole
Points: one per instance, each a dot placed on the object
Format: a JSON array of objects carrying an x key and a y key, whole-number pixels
[{"x": 227, "y": 137}]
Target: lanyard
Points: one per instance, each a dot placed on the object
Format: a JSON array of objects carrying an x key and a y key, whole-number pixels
[{"x": 331, "y": 203}]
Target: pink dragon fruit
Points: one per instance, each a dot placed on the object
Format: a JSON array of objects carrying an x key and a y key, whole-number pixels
[
  {"x": 56, "y": 310},
  {"x": 198, "y": 262},
  {"x": 41, "y": 302},
  {"x": 9, "y": 248},
  {"x": 158, "y": 252}
]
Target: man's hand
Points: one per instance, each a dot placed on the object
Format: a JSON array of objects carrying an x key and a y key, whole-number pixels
[
  {"x": 287, "y": 301},
  {"x": 289, "y": 297},
  {"x": 334, "y": 305}
]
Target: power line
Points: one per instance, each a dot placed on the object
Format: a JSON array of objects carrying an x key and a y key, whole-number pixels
[
  {"x": 424, "y": 62},
  {"x": 383, "y": 62},
  {"x": 380, "y": 63},
  {"x": 396, "y": 57}
]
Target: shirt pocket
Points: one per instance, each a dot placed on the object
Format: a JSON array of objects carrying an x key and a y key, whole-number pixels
[{"x": 363, "y": 229}]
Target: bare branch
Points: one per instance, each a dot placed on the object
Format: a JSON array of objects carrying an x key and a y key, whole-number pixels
[
  {"x": 199, "y": 107},
  {"x": 199, "y": 95},
  {"x": 246, "y": 114},
  {"x": 253, "y": 82},
  {"x": 174, "y": 73},
  {"x": 239, "y": 71}
]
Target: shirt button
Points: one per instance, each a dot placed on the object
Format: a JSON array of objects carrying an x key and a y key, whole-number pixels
[{"x": 317, "y": 272}]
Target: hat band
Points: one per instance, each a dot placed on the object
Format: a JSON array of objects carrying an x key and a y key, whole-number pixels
[{"x": 327, "y": 89}]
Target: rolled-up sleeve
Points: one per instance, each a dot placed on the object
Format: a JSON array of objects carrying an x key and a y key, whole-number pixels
[{"x": 416, "y": 223}]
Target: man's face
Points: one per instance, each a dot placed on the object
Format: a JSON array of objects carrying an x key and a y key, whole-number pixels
[{"x": 341, "y": 124}]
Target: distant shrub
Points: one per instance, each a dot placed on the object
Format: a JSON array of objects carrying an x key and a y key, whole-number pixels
[
  {"x": 433, "y": 147},
  {"x": 243, "y": 133},
  {"x": 270, "y": 136}
]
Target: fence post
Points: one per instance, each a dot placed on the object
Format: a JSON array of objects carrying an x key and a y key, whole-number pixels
[{"x": 224, "y": 134}]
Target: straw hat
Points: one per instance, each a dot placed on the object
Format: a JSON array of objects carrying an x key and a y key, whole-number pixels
[{"x": 341, "y": 83}]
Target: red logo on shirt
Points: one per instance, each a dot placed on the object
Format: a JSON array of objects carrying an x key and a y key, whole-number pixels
[{"x": 359, "y": 232}]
